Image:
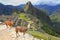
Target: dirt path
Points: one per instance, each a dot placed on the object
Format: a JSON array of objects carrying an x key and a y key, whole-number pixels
[{"x": 7, "y": 34}]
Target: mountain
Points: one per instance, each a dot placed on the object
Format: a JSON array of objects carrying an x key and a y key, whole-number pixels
[
  {"x": 55, "y": 17},
  {"x": 28, "y": 8},
  {"x": 20, "y": 7},
  {"x": 50, "y": 9},
  {"x": 43, "y": 18},
  {"x": 6, "y": 9},
  {"x": 40, "y": 14}
]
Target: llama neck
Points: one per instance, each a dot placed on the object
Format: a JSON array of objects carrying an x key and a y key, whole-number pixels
[{"x": 28, "y": 26}]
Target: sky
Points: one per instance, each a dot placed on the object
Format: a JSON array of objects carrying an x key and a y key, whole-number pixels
[{"x": 34, "y": 2}]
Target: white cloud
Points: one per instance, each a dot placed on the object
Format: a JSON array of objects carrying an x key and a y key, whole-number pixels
[
  {"x": 13, "y": 2},
  {"x": 17, "y": 2},
  {"x": 49, "y": 2}
]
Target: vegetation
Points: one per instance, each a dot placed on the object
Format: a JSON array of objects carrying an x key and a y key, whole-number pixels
[
  {"x": 50, "y": 31},
  {"x": 55, "y": 17},
  {"x": 42, "y": 35},
  {"x": 23, "y": 17},
  {"x": 38, "y": 34},
  {"x": 56, "y": 21}
]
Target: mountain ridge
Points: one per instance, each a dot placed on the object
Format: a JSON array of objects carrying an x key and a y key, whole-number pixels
[{"x": 48, "y": 8}]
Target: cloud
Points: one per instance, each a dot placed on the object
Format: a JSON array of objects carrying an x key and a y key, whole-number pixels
[
  {"x": 49, "y": 2},
  {"x": 13, "y": 2},
  {"x": 18, "y": 2}
]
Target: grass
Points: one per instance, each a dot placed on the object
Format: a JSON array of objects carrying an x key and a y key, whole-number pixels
[{"x": 40, "y": 35}]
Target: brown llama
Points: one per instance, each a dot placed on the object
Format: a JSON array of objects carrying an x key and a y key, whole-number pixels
[
  {"x": 9, "y": 23},
  {"x": 21, "y": 29}
]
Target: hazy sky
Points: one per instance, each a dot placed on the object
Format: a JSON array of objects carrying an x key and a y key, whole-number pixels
[{"x": 18, "y": 2}]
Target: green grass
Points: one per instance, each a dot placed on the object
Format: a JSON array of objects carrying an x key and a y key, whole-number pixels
[
  {"x": 23, "y": 16},
  {"x": 37, "y": 34},
  {"x": 40, "y": 35},
  {"x": 49, "y": 30}
]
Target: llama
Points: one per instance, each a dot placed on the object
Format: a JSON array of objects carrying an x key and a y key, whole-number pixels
[
  {"x": 9, "y": 23},
  {"x": 21, "y": 29}
]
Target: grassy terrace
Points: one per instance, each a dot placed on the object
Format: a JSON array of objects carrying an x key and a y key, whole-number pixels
[{"x": 40, "y": 35}]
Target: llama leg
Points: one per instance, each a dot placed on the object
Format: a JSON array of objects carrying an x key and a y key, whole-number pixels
[
  {"x": 24, "y": 34},
  {"x": 16, "y": 35},
  {"x": 7, "y": 26}
]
